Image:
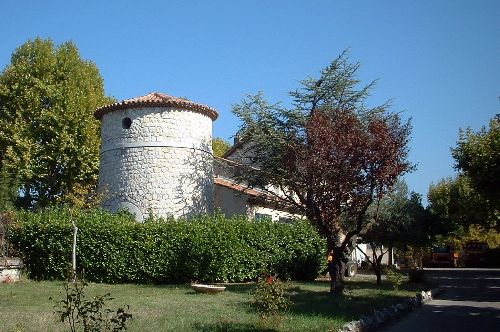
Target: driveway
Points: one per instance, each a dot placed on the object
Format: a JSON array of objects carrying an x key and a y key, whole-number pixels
[{"x": 470, "y": 302}]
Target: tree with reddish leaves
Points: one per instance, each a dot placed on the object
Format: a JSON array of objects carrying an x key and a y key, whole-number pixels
[
  {"x": 328, "y": 158},
  {"x": 340, "y": 169}
]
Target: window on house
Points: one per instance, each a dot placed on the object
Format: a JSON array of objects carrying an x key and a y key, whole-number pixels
[
  {"x": 285, "y": 220},
  {"x": 263, "y": 217}
]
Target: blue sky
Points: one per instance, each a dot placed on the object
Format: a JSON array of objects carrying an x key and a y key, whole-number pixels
[{"x": 438, "y": 60}]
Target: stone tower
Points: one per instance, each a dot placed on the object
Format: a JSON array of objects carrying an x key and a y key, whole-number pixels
[{"x": 156, "y": 156}]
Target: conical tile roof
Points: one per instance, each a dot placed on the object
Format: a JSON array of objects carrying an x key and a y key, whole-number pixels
[{"x": 156, "y": 99}]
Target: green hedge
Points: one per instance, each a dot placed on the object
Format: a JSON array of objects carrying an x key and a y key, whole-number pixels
[{"x": 114, "y": 248}]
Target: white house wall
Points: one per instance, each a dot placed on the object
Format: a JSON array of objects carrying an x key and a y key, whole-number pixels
[
  {"x": 231, "y": 202},
  {"x": 369, "y": 252}
]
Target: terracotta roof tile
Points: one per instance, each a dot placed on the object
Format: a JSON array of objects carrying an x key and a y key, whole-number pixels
[
  {"x": 256, "y": 196},
  {"x": 238, "y": 187},
  {"x": 156, "y": 99}
]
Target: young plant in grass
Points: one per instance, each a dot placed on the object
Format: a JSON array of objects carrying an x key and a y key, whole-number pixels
[
  {"x": 395, "y": 277},
  {"x": 270, "y": 300},
  {"x": 90, "y": 315}
]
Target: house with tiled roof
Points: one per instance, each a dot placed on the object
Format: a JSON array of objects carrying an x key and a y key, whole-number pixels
[{"x": 235, "y": 198}]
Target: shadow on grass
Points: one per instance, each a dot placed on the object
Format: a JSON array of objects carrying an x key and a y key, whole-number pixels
[
  {"x": 360, "y": 298},
  {"x": 351, "y": 305},
  {"x": 406, "y": 286},
  {"x": 230, "y": 327},
  {"x": 241, "y": 288}
]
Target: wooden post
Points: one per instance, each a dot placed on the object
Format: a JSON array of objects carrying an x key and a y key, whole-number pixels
[{"x": 73, "y": 260}]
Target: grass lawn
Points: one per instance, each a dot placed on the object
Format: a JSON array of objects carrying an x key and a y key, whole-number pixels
[{"x": 25, "y": 306}]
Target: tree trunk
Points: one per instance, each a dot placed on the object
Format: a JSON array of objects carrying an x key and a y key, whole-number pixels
[
  {"x": 378, "y": 273},
  {"x": 336, "y": 269}
]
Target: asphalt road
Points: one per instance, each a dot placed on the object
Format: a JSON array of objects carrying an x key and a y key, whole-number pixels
[{"x": 470, "y": 302}]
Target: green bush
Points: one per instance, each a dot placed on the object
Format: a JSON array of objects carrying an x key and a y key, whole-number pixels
[
  {"x": 395, "y": 277},
  {"x": 114, "y": 248}
]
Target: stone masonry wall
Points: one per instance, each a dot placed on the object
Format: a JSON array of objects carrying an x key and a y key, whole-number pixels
[{"x": 162, "y": 164}]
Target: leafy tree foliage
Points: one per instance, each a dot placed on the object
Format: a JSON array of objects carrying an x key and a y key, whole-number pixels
[
  {"x": 470, "y": 201},
  {"x": 477, "y": 155},
  {"x": 8, "y": 191},
  {"x": 402, "y": 220},
  {"x": 397, "y": 221},
  {"x": 466, "y": 213},
  {"x": 328, "y": 157},
  {"x": 48, "y": 134},
  {"x": 457, "y": 202},
  {"x": 461, "y": 236},
  {"x": 220, "y": 146}
]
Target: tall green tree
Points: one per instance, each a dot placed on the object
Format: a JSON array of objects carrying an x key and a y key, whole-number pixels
[
  {"x": 456, "y": 201},
  {"x": 329, "y": 156},
  {"x": 48, "y": 134},
  {"x": 477, "y": 156},
  {"x": 471, "y": 200},
  {"x": 397, "y": 220},
  {"x": 220, "y": 146}
]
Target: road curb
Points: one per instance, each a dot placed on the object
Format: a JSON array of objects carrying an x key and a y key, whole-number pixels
[{"x": 381, "y": 317}]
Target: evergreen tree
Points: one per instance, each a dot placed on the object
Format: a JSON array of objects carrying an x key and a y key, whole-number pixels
[{"x": 329, "y": 156}]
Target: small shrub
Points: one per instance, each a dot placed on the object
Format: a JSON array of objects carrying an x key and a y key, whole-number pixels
[
  {"x": 270, "y": 301},
  {"x": 395, "y": 277},
  {"x": 91, "y": 315}
]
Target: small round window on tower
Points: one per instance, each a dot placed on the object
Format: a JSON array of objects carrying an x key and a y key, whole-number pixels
[{"x": 126, "y": 123}]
